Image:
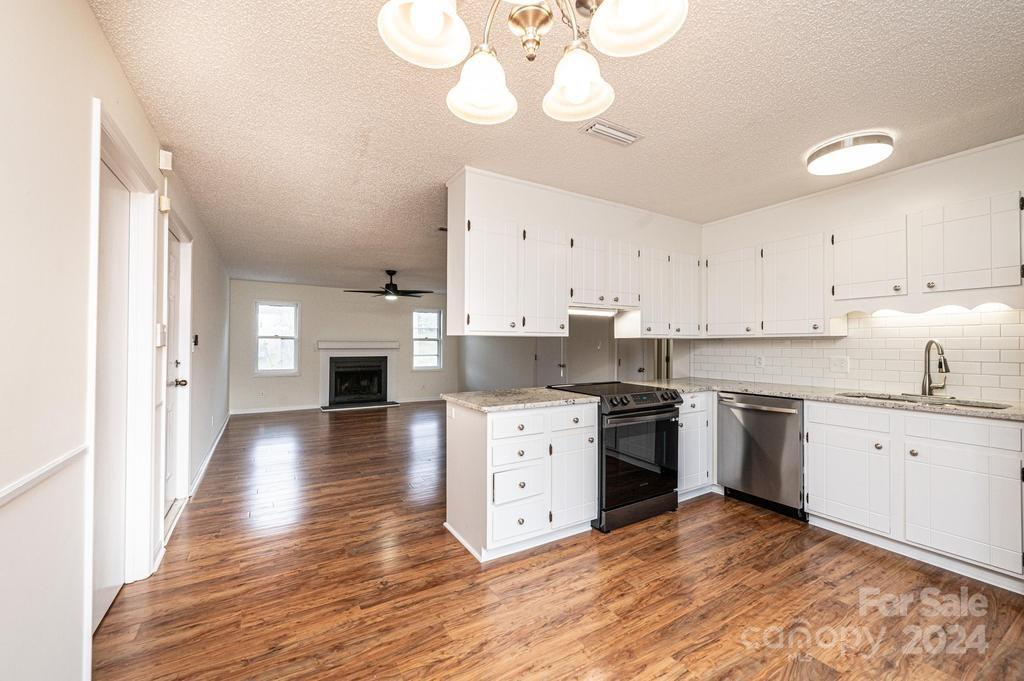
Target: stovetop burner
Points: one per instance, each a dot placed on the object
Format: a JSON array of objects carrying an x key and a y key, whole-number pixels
[{"x": 618, "y": 397}]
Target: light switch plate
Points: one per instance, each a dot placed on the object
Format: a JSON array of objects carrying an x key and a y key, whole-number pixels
[{"x": 839, "y": 365}]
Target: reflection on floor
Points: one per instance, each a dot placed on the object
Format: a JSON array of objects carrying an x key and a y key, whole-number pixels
[{"x": 314, "y": 549}]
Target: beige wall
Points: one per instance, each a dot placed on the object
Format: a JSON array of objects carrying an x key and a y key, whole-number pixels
[
  {"x": 329, "y": 314},
  {"x": 56, "y": 60}
]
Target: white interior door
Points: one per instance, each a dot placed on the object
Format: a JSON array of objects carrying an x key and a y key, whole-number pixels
[
  {"x": 111, "y": 394},
  {"x": 174, "y": 372}
]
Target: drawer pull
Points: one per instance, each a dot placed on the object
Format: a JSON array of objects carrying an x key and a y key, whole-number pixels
[
  {"x": 693, "y": 405},
  {"x": 931, "y": 284},
  {"x": 512, "y": 324},
  {"x": 521, "y": 427},
  {"x": 590, "y": 439},
  {"x": 897, "y": 287},
  {"x": 913, "y": 452},
  {"x": 815, "y": 326},
  {"x": 521, "y": 521},
  {"x": 878, "y": 445},
  {"x": 522, "y": 485},
  {"x": 521, "y": 453},
  {"x": 616, "y": 299},
  {"x": 575, "y": 419},
  {"x": 748, "y": 328}
]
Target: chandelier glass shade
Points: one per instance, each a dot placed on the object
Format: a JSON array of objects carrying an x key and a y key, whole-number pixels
[{"x": 430, "y": 33}]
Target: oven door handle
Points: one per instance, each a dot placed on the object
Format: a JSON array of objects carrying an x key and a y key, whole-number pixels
[
  {"x": 758, "y": 407},
  {"x": 616, "y": 421}
]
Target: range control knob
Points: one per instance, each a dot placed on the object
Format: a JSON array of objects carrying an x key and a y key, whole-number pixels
[
  {"x": 614, "y": 401},
  {"x": 624, "y": 399}
]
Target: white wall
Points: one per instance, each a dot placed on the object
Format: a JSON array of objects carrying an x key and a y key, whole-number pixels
[
  {"x": 329, "y": 314},
  {"x": 496, "y": 363},
  {"x": 56, "y": 61},
  {"x": 590, "y": 350}
]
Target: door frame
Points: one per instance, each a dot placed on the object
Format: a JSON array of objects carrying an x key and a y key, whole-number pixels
[{"x": 183, "y": 419}]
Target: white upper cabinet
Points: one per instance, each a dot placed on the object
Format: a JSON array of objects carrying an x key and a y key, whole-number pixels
[
  {"x": 684, "y": 299},
  {"x": 590, "y": 284},
  {"x": 970, "y": 245},
  {"x": 655, "y": 292},
  {"x": 543, "y": 281},
  {"x": 794, "y": 286},
  {"x": 870, "y": 260},
  {"x": 492, "y": 277},
  {"x": 732, "y": 293},
  {"x": 624, "y": 274}
]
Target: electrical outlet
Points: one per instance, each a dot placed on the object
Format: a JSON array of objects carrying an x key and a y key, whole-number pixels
[
  {"x": 261, "y": 395},
  {"x": 759, "y": 361},
  {"x": 839, "y": 365}
]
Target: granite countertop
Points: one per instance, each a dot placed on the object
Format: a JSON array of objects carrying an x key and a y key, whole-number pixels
[
  {"x": 517, "y": 398},
  {"x": 801, "y": 392}
]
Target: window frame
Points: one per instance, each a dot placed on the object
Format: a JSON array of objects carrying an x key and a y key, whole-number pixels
[
  {"x": 440, "y": 339},
  {"x": 272, "y": 373}
]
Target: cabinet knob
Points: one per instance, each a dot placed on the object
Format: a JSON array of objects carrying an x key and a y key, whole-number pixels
[
  {"x": 678, "y": 329},
  {"x": 815, "y": 326},
  {"x": 914, "y": 452},
  {"x": 521, "y": 426},
  {"x": 590, "y": 439},
  {"x": 878, "y": 445},
  {"x": 600, "y": 297},
  {"x": 521, "y": 453},
  {"x": 575, "y": 419},
  {"x": 693, "y": 405},
  {"x": 522, "y": 485},
  {"x": 748, "y": 328},
  {"x": 521, "y": 521},
  {"x": 897, "y": 287},
  {"x": 561, "y": 326},
  {"x": 931, "y": 284},
  {"x": 648, "y": 328},
  {"x": 616, "y": 299},
  {"x": 512, "y": 324}
]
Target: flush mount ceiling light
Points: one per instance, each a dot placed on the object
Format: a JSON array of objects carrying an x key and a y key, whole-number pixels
[
  {"x": 850, "y": 153},
  {"x": 430, "y": 33}
]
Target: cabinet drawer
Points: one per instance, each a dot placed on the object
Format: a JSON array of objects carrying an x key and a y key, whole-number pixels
[
  {"x": 517, "y": 424},
  {"x": 518, "y": 519},
  {"x": 570, "y": 442},
  {"x": 517, "y": 451},
  {"x": 965, "y": 431},
  {"x": 520, "y": 483},
  {"x": 583, "y": 416},
  {"x": 860, "y": 418}
]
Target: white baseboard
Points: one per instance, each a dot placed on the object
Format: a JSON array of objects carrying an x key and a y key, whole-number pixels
[
  {"x": 699, "y": 492},
  {"x": 12, "y": 491},
  {"x": 1014, "y": 584},
  {"x": 463, "y": 542},
  {"x": 485, "y": 555},
  {"x": 273, "y": 410},
  {"x": 206, "y": 462}
]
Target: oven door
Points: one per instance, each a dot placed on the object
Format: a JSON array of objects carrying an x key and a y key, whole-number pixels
[{"x": 640, "y": 457}]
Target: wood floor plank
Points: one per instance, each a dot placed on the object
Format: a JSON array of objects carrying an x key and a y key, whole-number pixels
[{"x": 314, "y": 550}]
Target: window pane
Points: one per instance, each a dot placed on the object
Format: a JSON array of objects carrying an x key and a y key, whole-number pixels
[
  {"x": 275, "y": 354},
  {"x": 426, "y": 362},
  {"x": 424, "y": 348},
  {"x": 276, "y": 320},
  {"x": 426, "y": 325}
]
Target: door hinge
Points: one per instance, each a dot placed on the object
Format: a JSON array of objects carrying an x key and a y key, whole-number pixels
[
  {"x": 833, "y": 289},
  {"x": 571, "y": 292},
  {"x": 467, "y": 319},
  {"x": 1022, "y": 203},
  {"x": 762, "y": 252},
  {"x": 1022, "y": 474},
  {"x": 705, "y": 262},
  {"x": 705, "y": 327},
  {"x": 524, "y": 235},
  {"x": 707, "y": 424},
  {"x": 551, "y": 517},
  {"x": 524, "y": 322},
  {"x": 469, "y": 225},
  {"x": 762, "y": 325},
  {"x": 638, "y": 253},
  {"x": 1022, "y": 271},
  {"x": 833, "y": 239},
  {"x": 551, "y": 449},
  {"x": 536, "y": 358},
  {"x": 572, "y": 243},
  {"x": 807, "y": 497},
  {"x": 670, "y": 257},
  {"x": 807, "y": 436}
]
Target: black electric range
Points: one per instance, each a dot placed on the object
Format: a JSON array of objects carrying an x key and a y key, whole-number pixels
[{"x": 639, "y": 462}]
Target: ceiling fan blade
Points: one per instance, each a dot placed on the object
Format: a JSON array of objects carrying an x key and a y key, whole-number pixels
[
  {"x": 407, "y": 294},
  {"x": 414, "y": 291},
  {"x": 377, "y": 291}
]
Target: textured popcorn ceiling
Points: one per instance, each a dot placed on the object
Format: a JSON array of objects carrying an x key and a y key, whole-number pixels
[{"x": 314, "y": 155}]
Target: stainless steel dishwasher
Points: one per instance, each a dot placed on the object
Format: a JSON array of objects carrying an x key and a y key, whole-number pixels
[{"x": 761, "y": 451}]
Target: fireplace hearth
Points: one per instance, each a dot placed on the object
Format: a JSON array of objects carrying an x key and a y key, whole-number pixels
[{"x": 358, "y": 380}]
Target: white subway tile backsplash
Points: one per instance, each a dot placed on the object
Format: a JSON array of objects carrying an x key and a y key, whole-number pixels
[{"x": 886, "y": 353}]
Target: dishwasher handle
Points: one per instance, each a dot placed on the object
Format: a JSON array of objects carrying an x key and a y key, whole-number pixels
[{"x": 757, "y": 407}]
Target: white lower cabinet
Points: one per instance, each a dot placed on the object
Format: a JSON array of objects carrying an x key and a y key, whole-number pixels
[
  {"x": 518, "y": 479},
  {"x": 695, "y": 442},
  {"x": 950, "y": 484}
]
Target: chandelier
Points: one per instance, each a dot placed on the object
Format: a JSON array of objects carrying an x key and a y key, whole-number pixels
[{"x": 429, "y": 33}]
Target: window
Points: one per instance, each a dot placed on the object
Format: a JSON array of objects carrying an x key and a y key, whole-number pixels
[
  {"x": 277, "y": 335},
  {"x": 426, "y": 339}
]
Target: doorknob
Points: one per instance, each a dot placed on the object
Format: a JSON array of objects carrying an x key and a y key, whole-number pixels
[{"x": 180, "y": 382}]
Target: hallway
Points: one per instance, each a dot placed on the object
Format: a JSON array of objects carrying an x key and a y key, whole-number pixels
[{"x": 314, "y": 549}]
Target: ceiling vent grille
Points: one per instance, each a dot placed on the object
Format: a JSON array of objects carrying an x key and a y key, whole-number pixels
[{"x": 611, "y": 132}]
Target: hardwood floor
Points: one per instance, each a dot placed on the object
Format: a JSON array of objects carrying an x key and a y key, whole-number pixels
[{"x": 314, "y": 549}]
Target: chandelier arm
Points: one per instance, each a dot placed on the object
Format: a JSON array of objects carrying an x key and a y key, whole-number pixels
[
  {"x": 572, "y": 17},
  {"x": 490, "y": 20}
]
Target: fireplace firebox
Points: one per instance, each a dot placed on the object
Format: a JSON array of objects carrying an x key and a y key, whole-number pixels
[{"x": 357, "y": 380}]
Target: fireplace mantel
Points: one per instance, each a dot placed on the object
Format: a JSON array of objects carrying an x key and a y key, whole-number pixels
[{"x": 358, "y": 345}]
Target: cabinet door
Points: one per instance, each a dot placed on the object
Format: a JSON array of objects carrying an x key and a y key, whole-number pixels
[
  {"x": 624, "y": 274},
  {"x": 870, "y": 260},
  {"x": 492, "y": 277},
  {"x": 794, "y": 285},
  {"x": 684, "y": 305},
  {"x": 656, "y": 282},
  {"x": 848, "y": 477},
  {"x": 544, "y": 285},
  {"x": 573, "y": 480},
  {"x": 975, "y": 244},
  {"x": 589, "y": 270},
  {"x": 732, "y": 293},
  {"x": 963, "y": 502},
  {"x": 694, "y": 451}
]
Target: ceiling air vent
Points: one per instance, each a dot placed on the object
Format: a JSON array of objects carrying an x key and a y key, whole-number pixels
[{"x": 611, "y": 132}]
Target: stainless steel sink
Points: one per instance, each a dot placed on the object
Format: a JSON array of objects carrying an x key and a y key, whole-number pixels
[{"x": 926, "y": 399}]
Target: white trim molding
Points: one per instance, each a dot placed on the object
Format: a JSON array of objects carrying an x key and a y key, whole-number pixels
[
  {"x": 13, "y": 490},
  {"x": 358, "y": 345},
  {"x": 273, "y": 410},
  {"x": 194, "y": 484}
]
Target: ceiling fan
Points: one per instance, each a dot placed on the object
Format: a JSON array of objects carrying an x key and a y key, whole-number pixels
[{"x": 390, "y": 290}]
